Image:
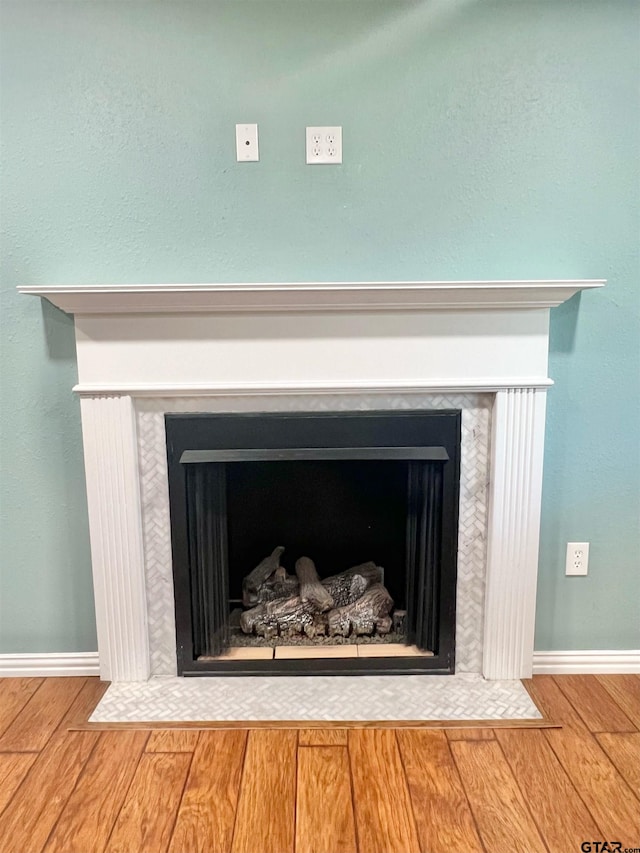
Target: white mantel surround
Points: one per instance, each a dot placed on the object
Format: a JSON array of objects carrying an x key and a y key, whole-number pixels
[{"x": 224, "y": 341}]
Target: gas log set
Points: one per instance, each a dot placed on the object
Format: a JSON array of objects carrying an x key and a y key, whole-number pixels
[{"x": 350, "y": 604}]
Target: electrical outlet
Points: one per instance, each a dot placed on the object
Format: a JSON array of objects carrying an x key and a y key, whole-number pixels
[
  {"x": 247, "y": 143},
  {"x": 324, "y": 145},
  {"x": 577, "y": 558}
]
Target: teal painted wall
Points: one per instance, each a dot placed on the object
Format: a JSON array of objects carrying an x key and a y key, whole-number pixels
[{"x": 481, "y": 140}]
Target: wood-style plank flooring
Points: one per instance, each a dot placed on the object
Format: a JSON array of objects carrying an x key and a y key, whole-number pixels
[{"x": 502, "y": 790}]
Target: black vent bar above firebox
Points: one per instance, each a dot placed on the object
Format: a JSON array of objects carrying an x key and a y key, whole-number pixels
[{"x": 319, "y": 454}]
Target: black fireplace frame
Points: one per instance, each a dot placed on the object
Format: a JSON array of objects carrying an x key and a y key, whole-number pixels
[{"x": 417, "y": 435}]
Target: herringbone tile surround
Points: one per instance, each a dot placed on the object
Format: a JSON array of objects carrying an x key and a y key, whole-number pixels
[{"x": 474, "y": 476}]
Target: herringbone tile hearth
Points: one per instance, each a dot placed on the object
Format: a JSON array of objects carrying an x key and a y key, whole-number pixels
[{"x": 315, "y": 698}]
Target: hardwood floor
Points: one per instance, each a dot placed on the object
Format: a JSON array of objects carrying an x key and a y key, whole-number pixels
[{"x": 320, "y": 790}]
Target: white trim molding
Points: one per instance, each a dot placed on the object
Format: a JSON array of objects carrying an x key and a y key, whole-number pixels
[
  {"x": 590, "y": 662},
  {"x": 309, "y": 296},
  {"x": 275, "y": 389},
  {"x": 48, "y": 664}
]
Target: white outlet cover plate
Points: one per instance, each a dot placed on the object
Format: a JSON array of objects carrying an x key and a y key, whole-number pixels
[
  {"x": 577, "y": 558},
  {"x": 247, "y": 143},
  {"x": 324, "y": 145}
]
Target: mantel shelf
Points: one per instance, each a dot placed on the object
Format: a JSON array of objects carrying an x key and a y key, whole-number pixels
[{"x": 308, "y": 296}]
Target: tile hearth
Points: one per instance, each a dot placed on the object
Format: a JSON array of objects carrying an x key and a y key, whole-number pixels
[{"x": 361, "y": 698}]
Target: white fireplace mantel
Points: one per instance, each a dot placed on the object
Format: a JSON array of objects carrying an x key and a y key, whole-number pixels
[
  {"x": 225, "y": 341},
  {"x": 308, "y": 296}
]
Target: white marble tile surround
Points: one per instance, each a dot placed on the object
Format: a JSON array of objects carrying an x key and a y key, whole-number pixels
[{"x": 472, "y": 533}]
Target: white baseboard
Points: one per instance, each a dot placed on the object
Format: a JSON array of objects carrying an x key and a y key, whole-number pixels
[
  {"x": 544, "y": 663},
  {"x": 36, "y": 665},
  {"x": 586, "y": 662}
]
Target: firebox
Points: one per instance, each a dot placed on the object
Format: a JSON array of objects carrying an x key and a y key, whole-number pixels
[{"x": 314, "y": 543}]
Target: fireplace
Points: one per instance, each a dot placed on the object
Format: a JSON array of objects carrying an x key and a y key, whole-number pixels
[
  {"x": 365, "y": 505},
  {"x": 145, "y": 350}
]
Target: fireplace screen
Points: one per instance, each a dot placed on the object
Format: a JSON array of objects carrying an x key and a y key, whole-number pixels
[{"x": 314, "y": 543}]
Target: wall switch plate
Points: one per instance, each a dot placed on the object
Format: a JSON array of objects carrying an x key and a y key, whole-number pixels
[
  {"x": 247, "y": 143},
  {"x": 324, "y": 145},
  {"x": 577, "y": 558}
]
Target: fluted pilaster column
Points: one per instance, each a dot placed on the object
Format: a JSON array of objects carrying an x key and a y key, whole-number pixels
[
  {"x": 111, "y": 462},
  {"x": 513, "y": 532}
]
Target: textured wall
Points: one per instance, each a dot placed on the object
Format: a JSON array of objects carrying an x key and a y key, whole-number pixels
[{"x": 481, "y": 140}]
